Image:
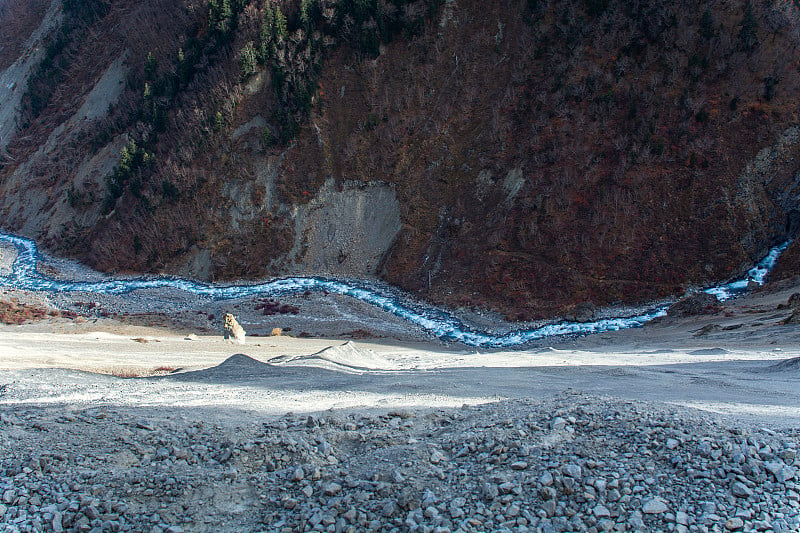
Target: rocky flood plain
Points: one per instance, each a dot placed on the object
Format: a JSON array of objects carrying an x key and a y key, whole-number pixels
[{"x": 573, "y": 463}]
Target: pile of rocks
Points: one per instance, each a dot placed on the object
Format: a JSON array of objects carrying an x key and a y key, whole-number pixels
[{"x": 576, "y": 463}]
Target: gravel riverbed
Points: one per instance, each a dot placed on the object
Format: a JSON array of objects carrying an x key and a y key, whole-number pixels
[{"x": 576, "y": 462}]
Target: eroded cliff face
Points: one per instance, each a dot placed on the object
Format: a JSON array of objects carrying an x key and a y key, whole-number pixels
[{"x": 523, "y": 157}]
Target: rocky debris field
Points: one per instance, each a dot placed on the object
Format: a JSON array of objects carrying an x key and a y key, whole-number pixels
[{"x": 573, "y": 463}]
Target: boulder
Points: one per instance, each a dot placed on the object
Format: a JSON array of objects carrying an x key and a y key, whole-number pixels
[
  {"x": 232, "y": 330},
  {"x": 583, "y": 312},
  {"x": 695, "y": 304}
]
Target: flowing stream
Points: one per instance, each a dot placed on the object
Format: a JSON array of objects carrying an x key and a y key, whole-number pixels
[{"x": 25, "y": 275}]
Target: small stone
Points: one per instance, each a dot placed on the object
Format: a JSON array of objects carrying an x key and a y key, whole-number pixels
[
  {"x": 734, "y": 523},
  {"x": 572, "y": 470},
  {"x": 741, "y": 490},
  {"x": 456, "y": 511},
  {"x": 558, "y": 424},
  {"x": 671, "y": 444},
  {"x": 601, "y": 511},
  {"x": 547, "y": 493},
  {"x": 490, "y": 491},
  {"x": 654, "y": 506},
  {"x": 606, "y": 525},
  {"x": 781, "y": 472},
  {"x": 332, "y": 489},
  {"x": 431, "y": 512},
  {"x": 519, "y": 465},
  {"x": 298, "y": 474},
  {"x": 546, "y": 479},
  {"x": 549, "y": 507},
  {"x": 389, "y": 510},
  {"x": 289, "y": 503},
  {"x": 174, "y": 529},
  {"x": 437, "y": 457},
  {"x": 682, "y": 518},
  {"x": 636, "y": 522},
  {"x": 762, "y": 525}
]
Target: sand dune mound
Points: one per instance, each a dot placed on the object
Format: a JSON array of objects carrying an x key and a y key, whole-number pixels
[
  {"x": 239, "y": 368},
  {"x": 348, "y": 357},
  {"x": 786, "y": 365}
]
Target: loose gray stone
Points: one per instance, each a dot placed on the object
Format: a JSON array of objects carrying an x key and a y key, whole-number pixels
[
  {"x": 654, "y": 506},
  {"x": 332, "y": 489},
  {"x": 601, "y": 511},
  {"x": 734, "y": 523},
  {"x": 741, "y": 490},
  {"x": 572, "y": 470}
]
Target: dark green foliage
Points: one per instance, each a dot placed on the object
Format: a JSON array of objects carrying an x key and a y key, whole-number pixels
[
  {"x": 266, "y": 35},
  {"x": 87, "y": 11},
  {"x": 749, "y": 28},
  {"x": 220, "y": 16},
  {"x": 770, "y": 83},
  {"x": 362, "y": 24},
  {"x": 150, "y": 66},
  {"x": 595, "y": 8},
  {"x": 707, "y": 25},
  {"x": 50, "y": 71},
  {"x": 309, "y": 13},
  {"x": 219, "y": 121},
  {"x": 169, "y": 191},
  {"x": 126, "y": 174},
  {"x": 248, "y": 60},
  {"x": 280, "y": 29}
]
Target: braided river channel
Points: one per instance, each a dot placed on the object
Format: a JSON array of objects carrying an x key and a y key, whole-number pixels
[{"x": 26, "y": 276}]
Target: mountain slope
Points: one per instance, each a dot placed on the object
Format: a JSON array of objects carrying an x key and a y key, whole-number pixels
[{"x": 524, "y": 157}]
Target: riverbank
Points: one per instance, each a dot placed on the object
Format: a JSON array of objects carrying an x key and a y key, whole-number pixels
[{"x": 132, "y": 413}]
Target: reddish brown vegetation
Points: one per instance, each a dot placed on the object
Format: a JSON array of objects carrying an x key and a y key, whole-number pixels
[
  {"x": 18, "y": 20},
  {"x": 15, "y": 313},
  {"x": 544, "y": 153}
]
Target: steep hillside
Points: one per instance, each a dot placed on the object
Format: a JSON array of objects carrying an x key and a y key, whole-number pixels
[{"x": 523, "y": 156}]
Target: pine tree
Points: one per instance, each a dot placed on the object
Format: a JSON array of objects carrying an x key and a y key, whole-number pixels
[
  {"x": 707, "y": 25},
  {"x": 248, "y": 60},
  {"x": 265, "y": 36},
  {"x": 748, "y": 34},
  {"x": 280, "y": 31}
]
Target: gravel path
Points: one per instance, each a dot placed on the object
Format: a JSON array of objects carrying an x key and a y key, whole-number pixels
[{"x": 573, "y": 463}]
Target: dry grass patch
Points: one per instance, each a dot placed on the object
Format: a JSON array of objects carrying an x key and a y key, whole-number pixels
[
  {"x": 15, "y": 313},
  {"x": 135, "y": 371}
]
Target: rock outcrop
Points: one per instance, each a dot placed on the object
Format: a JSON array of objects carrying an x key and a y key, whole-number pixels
[{"x": 695, "y": 304}]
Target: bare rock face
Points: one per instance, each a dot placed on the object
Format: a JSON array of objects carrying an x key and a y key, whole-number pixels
[
  {"x": 696, "y": 304},
  {"x": 232, "y": 330}
]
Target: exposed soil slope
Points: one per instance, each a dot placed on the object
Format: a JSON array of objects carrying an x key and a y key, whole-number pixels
[{"x": 523, "y": 157}]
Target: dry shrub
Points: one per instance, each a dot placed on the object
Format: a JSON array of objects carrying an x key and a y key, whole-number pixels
[{"x": 15, "y": 313}]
